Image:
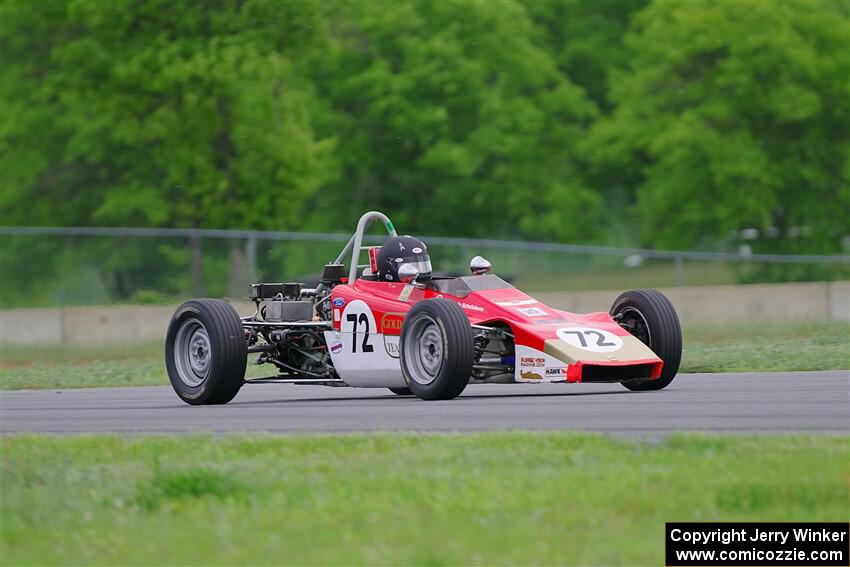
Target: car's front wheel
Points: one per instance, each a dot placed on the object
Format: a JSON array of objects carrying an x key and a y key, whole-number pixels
[
  {"x": 648, "y": 315},
  {"x": 206, "y": 352},
  {"x": 436, "y": 349}
]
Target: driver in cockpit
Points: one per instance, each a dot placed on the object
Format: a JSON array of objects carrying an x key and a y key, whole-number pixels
[{"x": 399, "y": 251}]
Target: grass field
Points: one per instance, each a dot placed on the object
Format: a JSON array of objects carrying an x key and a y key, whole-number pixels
[
  {"x": 651, "y": 275},
  {"x": 422, "y": 499},
  {"x": 722, "y": 349},
  {"x": 89, "y": 367},
  {"x": 815, "y": 346}
]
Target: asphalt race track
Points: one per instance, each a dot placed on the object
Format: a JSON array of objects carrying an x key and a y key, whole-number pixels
[{"x": 733, "y": 403}]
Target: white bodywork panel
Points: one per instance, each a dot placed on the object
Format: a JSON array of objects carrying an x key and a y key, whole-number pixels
[
  {"x": 361, "y": 356},
  {"x": 536, "y": 366}
]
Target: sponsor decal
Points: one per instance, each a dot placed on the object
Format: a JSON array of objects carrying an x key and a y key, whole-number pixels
[
  {"x": 535, "y": 365},
  {"x": 532, "y": 311},
  {"x": 471, "y": 307},
  {"x": 391, "y": 323},
  {"x": 532, "y": 361},
  {"x": 405, "y": 293},
  {"x": 336, "y": 348},
  {"x": 339, "y": 302},
  {"x": 391, "y": 345},
  {"x": 336, "y": 315},
  {"x": 417, "y": 250},
  {"x": 588, "y": 338},
  {"x": 401, "y": 247},
  {"x": 517, "y": 303},
  {"x": 399, "y": 260}
]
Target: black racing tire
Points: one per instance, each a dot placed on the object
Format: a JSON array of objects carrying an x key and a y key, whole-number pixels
[
  {"x": 206, "y": 352},
  {"x": 648, "y": 315},
  {"x": 436, "y": 349},
  {"x": 401, "y": 391}
]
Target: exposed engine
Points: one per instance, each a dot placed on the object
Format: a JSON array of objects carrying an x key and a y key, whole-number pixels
[{"x": 287, "y": 332}]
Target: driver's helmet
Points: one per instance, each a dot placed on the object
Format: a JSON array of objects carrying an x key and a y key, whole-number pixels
[{"x": 400, "y": 250}]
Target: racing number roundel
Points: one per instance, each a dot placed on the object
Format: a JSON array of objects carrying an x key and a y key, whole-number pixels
[
  {"x": 357, "y": 319},
  {"x": 587, "y": 338}
]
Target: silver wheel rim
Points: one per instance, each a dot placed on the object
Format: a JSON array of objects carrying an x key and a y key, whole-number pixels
[
  {"x": 192, "y": 353},
  {"x": 423, "y": 350}
]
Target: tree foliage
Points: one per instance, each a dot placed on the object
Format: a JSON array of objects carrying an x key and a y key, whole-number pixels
[
  {"x": 448, "y": 114},
  {"x": 679, "y": 122},
  {"x": 148, "y": 113},
  {"x": 733, "y": 115}
]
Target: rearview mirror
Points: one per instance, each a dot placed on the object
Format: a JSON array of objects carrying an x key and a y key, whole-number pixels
[
  {"x": 407, "y": 273},
  {"x": 479, "y": 265}
]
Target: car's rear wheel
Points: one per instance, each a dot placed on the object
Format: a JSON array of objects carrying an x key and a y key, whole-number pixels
[
  {"x": 648, "y": 315},
  {"x": 436, "y": 349},
  {"x": 206, "y": 352}
]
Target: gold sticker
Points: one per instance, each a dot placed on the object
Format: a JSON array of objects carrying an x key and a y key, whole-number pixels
[{"x": 405, "y": 293}]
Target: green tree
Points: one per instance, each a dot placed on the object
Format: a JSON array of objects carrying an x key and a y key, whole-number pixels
[
  {"x": 585, "y": 38},
  {"x": 449, "y": 117},
  {"x": 156, "y": 113},
  {"x": 734, "y": 115},
  {"x": 180, "y": 114}
]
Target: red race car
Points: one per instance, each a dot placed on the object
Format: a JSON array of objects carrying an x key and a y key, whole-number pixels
[{"x": 391, "y": 324}]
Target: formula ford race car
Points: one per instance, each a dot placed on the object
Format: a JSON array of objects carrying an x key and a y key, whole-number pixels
[{"x": 389, "y": 324}]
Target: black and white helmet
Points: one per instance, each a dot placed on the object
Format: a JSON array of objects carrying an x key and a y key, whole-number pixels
[{"x": 398, "y": 251}]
